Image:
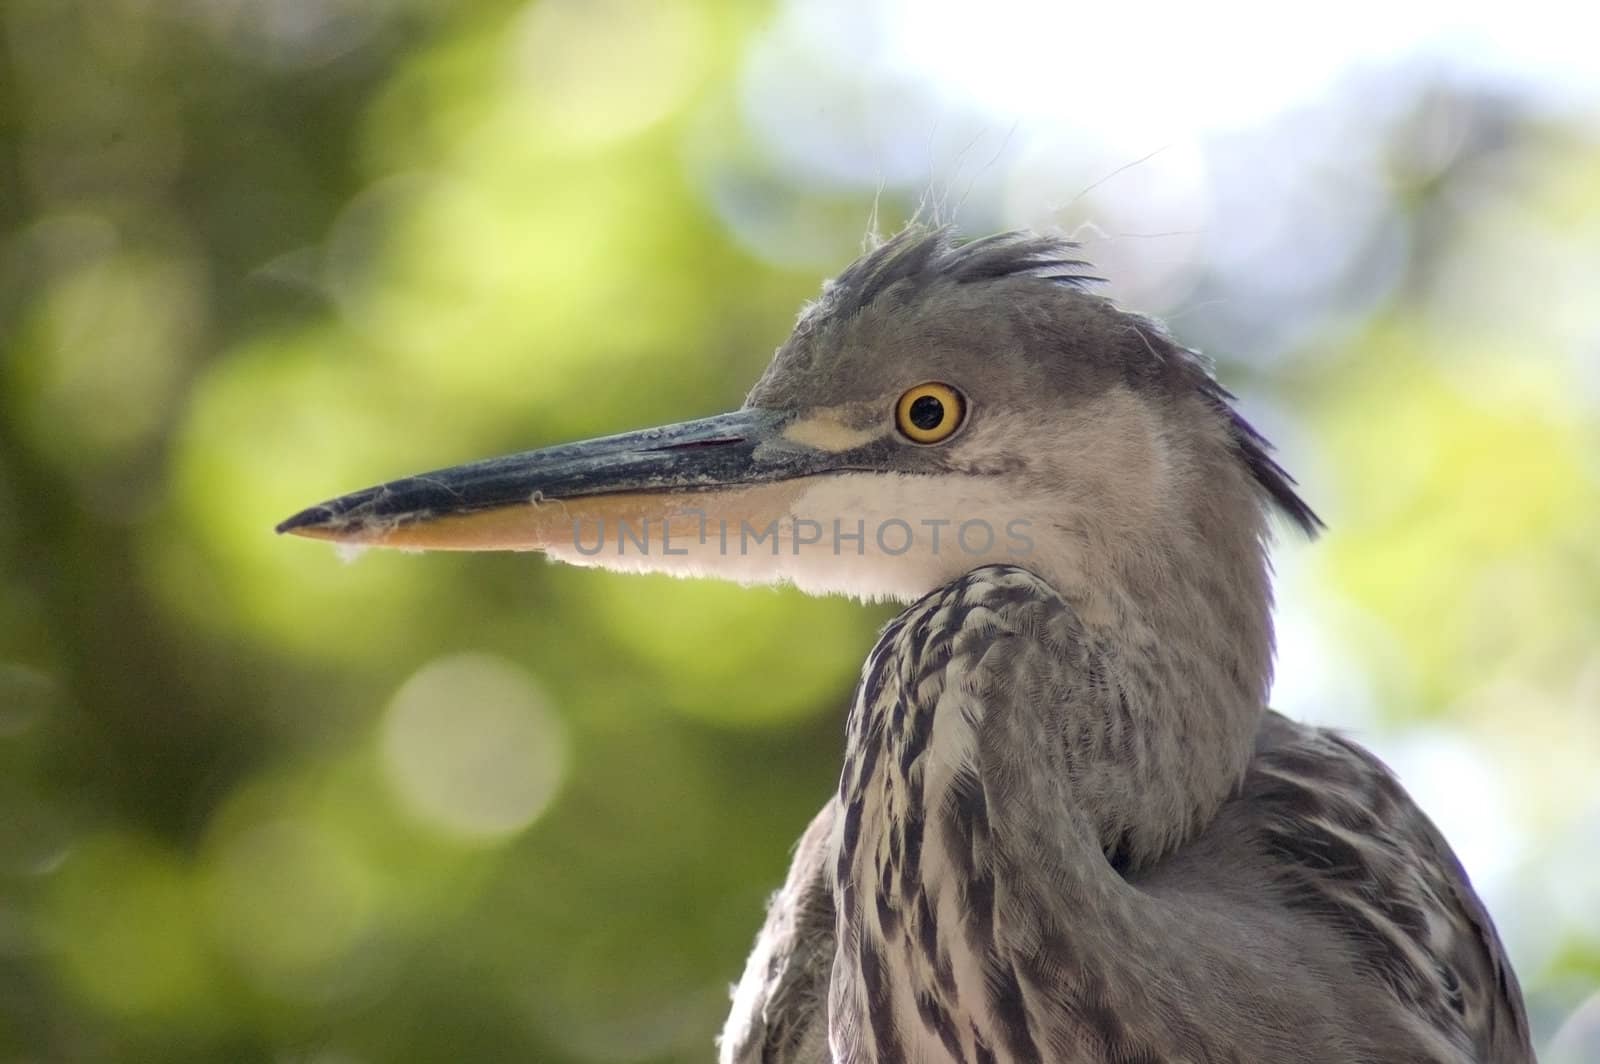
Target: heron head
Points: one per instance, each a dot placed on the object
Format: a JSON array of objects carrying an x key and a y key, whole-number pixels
[{"x": 943, "y": 406}]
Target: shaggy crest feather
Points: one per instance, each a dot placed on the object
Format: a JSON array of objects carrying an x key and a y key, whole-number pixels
[{"x": 916, "y": 258}]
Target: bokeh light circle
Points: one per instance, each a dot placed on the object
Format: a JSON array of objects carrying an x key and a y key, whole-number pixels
[{"x": 470, "y": 748}]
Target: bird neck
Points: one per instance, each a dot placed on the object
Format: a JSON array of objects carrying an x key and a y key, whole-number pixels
[
  {"x": 1007, "y": 738},
  {"x": 1179, "y": 638}
]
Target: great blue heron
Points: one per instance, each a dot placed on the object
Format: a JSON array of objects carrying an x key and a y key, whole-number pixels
[{"x": 1067, "y": 827}]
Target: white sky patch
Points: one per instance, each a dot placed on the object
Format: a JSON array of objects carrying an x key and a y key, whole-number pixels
[
  {"x": 1008, "y": 113},
  {"x": 1314, "y": 680},
  {"x": 1146, "y": 72}
]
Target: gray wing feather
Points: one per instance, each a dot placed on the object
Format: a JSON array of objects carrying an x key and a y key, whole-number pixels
[{"x": 1402, "y": 895}]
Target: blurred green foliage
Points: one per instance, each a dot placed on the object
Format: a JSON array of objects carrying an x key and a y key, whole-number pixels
[{"x": 257, "y": 254}]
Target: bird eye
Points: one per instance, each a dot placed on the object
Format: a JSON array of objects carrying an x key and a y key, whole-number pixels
[{"x": 930, "y": 412}]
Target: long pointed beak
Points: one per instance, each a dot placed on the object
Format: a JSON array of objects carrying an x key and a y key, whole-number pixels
[{"x": 550, "y": 499}]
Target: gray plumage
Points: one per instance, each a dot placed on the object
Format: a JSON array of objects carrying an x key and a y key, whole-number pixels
[{"x": 1067, "y": 827}]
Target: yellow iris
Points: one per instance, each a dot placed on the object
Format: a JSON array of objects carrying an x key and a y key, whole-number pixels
[{"x": 930, "y": 412}]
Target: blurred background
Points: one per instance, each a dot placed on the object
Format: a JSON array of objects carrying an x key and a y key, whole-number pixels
[{"x": 259, "y": 803}]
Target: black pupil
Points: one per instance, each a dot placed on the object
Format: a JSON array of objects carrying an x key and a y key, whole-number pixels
[{"x": 927, "y": 413}]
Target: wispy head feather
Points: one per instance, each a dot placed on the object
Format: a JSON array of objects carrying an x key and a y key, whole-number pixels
[{"x": 918, "y": 258}]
